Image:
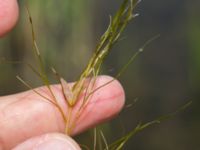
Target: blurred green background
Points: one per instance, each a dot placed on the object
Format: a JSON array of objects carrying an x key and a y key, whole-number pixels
[{"x": 163, "y": 78}]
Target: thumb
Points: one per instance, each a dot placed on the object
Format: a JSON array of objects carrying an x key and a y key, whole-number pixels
[{"x": 51, "y": 141}]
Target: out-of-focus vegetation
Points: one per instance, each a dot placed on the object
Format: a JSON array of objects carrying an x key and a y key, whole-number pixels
[{"x": 165, "y": 76}]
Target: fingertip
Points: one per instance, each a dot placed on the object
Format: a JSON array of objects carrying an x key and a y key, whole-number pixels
[
  {"x": 105, "y": 103},
  {"x": 9, "y": 12},
  {"x": 50, "y": 141},
  {"x": 112, "y": 93}
]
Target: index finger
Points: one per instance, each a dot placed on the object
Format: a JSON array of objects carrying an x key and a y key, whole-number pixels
[{"x": 26, "y": 114}]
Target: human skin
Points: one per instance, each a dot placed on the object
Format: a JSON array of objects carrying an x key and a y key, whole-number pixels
[
  {"x": 27, "y": 121},
  {"x": 8, "y": 15}
]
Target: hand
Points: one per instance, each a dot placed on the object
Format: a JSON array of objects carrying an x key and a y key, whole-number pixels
[{"x": 27, "y": 121}]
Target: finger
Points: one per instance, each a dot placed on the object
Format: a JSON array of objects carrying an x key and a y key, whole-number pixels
[
  {"x": 53, "y": 141},
  {"x": 26, "y": 114},
  {"x": 8, "y": 15}
]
